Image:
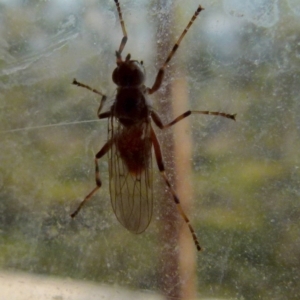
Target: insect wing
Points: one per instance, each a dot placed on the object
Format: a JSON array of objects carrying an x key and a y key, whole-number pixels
[{"x": 130, "y": 176}]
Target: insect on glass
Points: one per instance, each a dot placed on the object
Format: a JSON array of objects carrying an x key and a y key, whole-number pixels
[{"x": 131, "y": 139}]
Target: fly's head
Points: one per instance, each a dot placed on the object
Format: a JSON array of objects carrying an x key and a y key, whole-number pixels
[{"x": 128, "y": 73}]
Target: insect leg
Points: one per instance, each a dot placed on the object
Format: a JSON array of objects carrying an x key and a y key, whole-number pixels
[
  {"x": 161, "y": 167},
  {"x": 75, "y": 82},
  {"x": 103, "y": 99},
  {"x": 103, "y": 151},
  {"x": 124, "y": 39},
  {"x": 160, "y": 74},
  {"x": 157, "y": 120}
]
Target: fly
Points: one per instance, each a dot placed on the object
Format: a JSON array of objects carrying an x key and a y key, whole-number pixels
[{"x": 132, "y": 138}]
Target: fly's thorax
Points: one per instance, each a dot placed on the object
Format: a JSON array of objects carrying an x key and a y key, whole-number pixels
[{"x": 131, "y": 106}]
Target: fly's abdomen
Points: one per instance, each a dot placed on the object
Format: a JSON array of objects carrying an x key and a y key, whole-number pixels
[
  {"x": 131, "y": 176},
  {"x": 134, "y": 147}
]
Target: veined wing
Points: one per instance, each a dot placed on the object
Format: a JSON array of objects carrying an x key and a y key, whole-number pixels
[{"x": 130, "y": 175}]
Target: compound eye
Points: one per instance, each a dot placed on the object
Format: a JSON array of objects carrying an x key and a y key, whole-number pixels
[
  {"x": 129, "y": 73},
  {"x": 139, "y": 72}
]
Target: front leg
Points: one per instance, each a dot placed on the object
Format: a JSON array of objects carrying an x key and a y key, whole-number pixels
[
  {"x": 161, "y": 72},
  {"x": 125, "y": 37}
]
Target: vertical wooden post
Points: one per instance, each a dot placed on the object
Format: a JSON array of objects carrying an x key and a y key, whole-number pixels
[
  {"x": 168, "y": 240},
  {"x": 177, "y": 269},
  {"x": 183, "y": 170}
]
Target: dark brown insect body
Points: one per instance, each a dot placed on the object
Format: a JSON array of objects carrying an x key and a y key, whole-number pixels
[{"x": 131, "y": 138}]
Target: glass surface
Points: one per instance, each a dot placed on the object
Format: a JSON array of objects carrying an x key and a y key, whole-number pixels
[{"x": 239, "y": 186}]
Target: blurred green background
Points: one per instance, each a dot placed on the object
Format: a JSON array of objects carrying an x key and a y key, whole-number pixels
[{"x": 239, "y": 57}]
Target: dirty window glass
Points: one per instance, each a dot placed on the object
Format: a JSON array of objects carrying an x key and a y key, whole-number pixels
[{"x": 238, "y": 182}]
